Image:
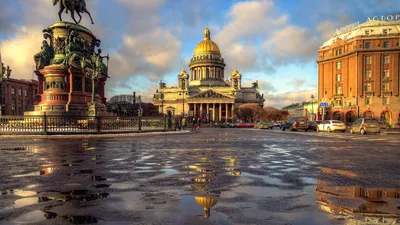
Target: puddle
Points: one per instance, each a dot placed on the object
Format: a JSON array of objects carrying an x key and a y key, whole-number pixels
[
  {"x": 276, "y": 162},
  {"x": 144, "y": 167},
  {"x": 265, "y": 178},
  {"x": 120, "y": 171},
  {"x": 32, "y": 174},
  {"x": 20, "y": 193},
  {"x": 123, "y": 186},
  {"x": 143, "y": 158},
  {"x": 290, "y": 169},
  {"x": 31, "y": 217},
  {"x": 29, "y": 201},
  {"x": 167, "y": 172},
  {"x": 102, "y": 185},
  {"x": 257, "y": 191},
  {"x": 98, "y": 178}
]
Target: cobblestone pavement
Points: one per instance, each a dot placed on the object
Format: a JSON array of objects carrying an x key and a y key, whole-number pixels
[{"x": 211, "y": 176}]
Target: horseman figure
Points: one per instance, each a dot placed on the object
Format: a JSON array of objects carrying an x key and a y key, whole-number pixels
[{"x": 78, "y": 6}]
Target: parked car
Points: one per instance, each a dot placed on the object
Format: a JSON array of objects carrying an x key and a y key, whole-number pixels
[
  {"x": 312, "y": 125},
  {"x": 331, "y": 125},
  {"x": 383, "y": 124},
  {"x": 244, "y": 125},
  {"x": 223, "y": 125},
  {"x": 295, "y": 123},
  {"x": 364, "y": 126},
  {"x": 263, "y": 125},
  {"x": 276, "y": 124}
]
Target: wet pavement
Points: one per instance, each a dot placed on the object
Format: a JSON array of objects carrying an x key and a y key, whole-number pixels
[{"x": 212, "y": 176}]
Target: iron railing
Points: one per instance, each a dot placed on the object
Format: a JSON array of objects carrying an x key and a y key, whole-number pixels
[{"x": 44, "y": 124}]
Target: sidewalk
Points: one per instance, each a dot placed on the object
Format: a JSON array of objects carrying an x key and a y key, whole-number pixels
[
  {"x": 93, "y": 136},
  {"x": 391, "y": 132}
]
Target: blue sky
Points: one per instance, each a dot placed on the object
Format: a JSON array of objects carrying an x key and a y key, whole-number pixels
[{"x": 274, "y": 42}]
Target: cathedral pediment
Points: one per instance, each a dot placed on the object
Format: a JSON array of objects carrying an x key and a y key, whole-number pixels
[{"x": 209, "y": 94}]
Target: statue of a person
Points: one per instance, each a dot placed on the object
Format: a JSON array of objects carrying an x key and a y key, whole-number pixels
[
  {"x": 73, "y": 51},
  {"x": 43, "y": 58},
  {"x": 99, "y": 65}
]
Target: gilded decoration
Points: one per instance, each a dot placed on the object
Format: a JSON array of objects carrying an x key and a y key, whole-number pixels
[{"x": 209, "y": 94}]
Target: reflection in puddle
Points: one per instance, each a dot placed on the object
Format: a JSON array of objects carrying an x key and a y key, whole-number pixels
[
  {"x": 20, "y": 193},
  {"x": 355, "y": 203},
  {"x": 31, "y": 217},
  {"x": 30, "y": 201},
  {"x": 265, "y": 178},
  {"x": 206, "y": 203},
  {"x": 40, "y": 216},
  {"x": 44, "y": 171}
]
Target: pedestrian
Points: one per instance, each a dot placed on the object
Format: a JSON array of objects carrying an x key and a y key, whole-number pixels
[
  {"x": 198, "y": 123},
  {"x": 183, "y": 123},
  {"x": 193, "y": 123}
]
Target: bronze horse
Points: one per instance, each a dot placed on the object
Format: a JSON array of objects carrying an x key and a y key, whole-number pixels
[{"x": 77, "y": 6}]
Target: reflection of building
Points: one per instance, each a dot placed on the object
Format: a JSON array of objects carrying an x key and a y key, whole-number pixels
[
  {"x": 17, "y": 96},
  {"x": 344, "y": 202},
  {"x": 205, "y": 92},
  {"x": 358, "y": 72},
  {"x": 207, "y": 203}
]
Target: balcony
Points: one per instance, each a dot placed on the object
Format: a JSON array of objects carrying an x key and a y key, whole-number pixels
[
  {"x": 387, "y": 93},
  {"x": 338, "y": 95},
  {"x": 369, "y": 93}
]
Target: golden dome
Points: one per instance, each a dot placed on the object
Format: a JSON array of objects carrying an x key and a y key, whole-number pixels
[
  {"x": 207, "y": 203},
  {"x": 207, "y": 46}
]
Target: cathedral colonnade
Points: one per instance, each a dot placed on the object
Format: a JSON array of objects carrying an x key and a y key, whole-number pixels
[{"x": 222, "y": 112}]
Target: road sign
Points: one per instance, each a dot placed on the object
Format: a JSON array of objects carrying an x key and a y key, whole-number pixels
[{"x": 323, "y": 104}]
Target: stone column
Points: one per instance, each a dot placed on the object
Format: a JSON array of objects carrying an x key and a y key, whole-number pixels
[
  {"x": 233, "y": 111},
  {"x": 220, "y": 112},
  {"x": 214, "y": 111},
  {"x": 201, "y": 111},
  {"x": 208, "y": 113},
  {"x": 226, "y": 112}
]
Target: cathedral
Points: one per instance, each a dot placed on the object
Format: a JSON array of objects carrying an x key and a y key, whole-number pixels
[{"x": 205, "y": 93}]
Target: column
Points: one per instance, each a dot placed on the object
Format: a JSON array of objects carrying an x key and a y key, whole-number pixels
[
  {"x": 208, "y": 112},
  {"x": 194, "y": 110},
  {"x": 220, "y": 112},
  {"x": 226, "y": 112},
  {"x": 214, "y": 111},
  {"x": 201, "y": 111},
  {"x": 233, "y": 111}
]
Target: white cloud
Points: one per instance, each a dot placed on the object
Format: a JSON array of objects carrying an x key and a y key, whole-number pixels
[
  {"x": 284, "y": 99},
  {"x": 292, "y": 44}
]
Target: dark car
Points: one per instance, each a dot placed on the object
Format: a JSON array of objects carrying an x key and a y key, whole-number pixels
[
  {"x": 312, "y": 125},
  {"x": 383, "y": 124},
  {"x": 295, "y": 123}
]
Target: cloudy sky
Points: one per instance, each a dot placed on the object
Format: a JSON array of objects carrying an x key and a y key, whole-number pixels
[{"x": 274, "y": 42}]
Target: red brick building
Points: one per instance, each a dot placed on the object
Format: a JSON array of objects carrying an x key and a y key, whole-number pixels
[
  {"x": 358, "y": 72},
  {"x": 18, "y": 96}
]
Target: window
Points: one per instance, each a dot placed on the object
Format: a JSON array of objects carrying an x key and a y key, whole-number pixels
[
  {"x": 367, "y": 44},
  {"x": 368, "y": 59},
  {"x": 385, "y": 87},
  {"x": 26, "y": 92},
  {"x": 338, "y": 51},
  {"x": 368, "y": 87},
  {"x": 13, "y": 106},
  {"x": 12, "y": 91},
  {"x": 339, "y": 65},
  {"x": 386, "y": 44},
  {"x": 367, "y": 73},
  {"x": 339, "y": 90},
  {"x": 386, "y": 73},
  {"x": 339, "y": 77},
  {"x": 19, "y": 91},
  {"x": 386, "y": 59},
  {"x": 385, "y": 100},
  {"x": 368, "y": 101}
]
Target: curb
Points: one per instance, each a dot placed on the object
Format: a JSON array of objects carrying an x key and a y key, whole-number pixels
[{"x": 92, "y": 136}]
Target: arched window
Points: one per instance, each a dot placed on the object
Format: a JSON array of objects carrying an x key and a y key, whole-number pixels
[{"x": 339, "y": 90}]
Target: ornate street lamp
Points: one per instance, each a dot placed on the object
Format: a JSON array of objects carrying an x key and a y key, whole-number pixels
[
  {"x": 5, "y": 73},
  {"x": 183, "y": 102},
  {"x": 312, "y": 107},
  {"x": 162, "y": 102},
  {"x": 140, "y": 112}
]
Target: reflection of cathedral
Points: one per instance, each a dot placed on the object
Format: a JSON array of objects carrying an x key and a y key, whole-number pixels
[
  {"x": 205, "y": 92},
  {"x": 373, "y": 205}
]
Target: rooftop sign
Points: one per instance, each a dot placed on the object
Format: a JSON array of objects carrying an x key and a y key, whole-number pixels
[{"x": 394, "y": 17}]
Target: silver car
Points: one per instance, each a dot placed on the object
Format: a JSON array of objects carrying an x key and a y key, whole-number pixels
[
  {"x": 364, "y": 126},
  {"x": 331, "y": 125}
]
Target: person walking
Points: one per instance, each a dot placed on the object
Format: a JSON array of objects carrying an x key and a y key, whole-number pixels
[
  {"x": 183, "y": 123},
  {"x": 198, "y": 123},
  {"x": 193, "y": 123}
]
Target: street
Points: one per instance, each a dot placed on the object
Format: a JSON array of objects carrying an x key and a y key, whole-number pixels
[{"x": 209, "y": 176}]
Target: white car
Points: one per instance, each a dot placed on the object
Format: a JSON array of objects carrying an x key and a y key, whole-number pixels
[{"x": 331, "y": 125}]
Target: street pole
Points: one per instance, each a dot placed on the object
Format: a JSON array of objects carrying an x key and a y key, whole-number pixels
[{"x": 312, "y": 107}]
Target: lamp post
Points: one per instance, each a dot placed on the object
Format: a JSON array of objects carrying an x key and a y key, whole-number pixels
[
  {"x": 183, "y": 102},
  {"x": 312, "y": 107},
  {"x": 162, "y": 103},
  {"x": 5, "y": 73},
  {"x": 140, "y": 106}
]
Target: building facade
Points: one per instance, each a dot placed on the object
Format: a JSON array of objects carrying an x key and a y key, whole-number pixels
[
  {"x": 204, "y": 92},
  {"x": 304, "y": 109},
  {"x": 358, "y": 73},
  {"x": 18, "y": 96}
]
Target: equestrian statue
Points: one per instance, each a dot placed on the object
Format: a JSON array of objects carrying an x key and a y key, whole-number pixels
[{"x": 78, "y": 6}]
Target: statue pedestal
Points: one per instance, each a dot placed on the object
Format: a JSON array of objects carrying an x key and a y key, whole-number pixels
[{"x": 62, "y": 65}]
